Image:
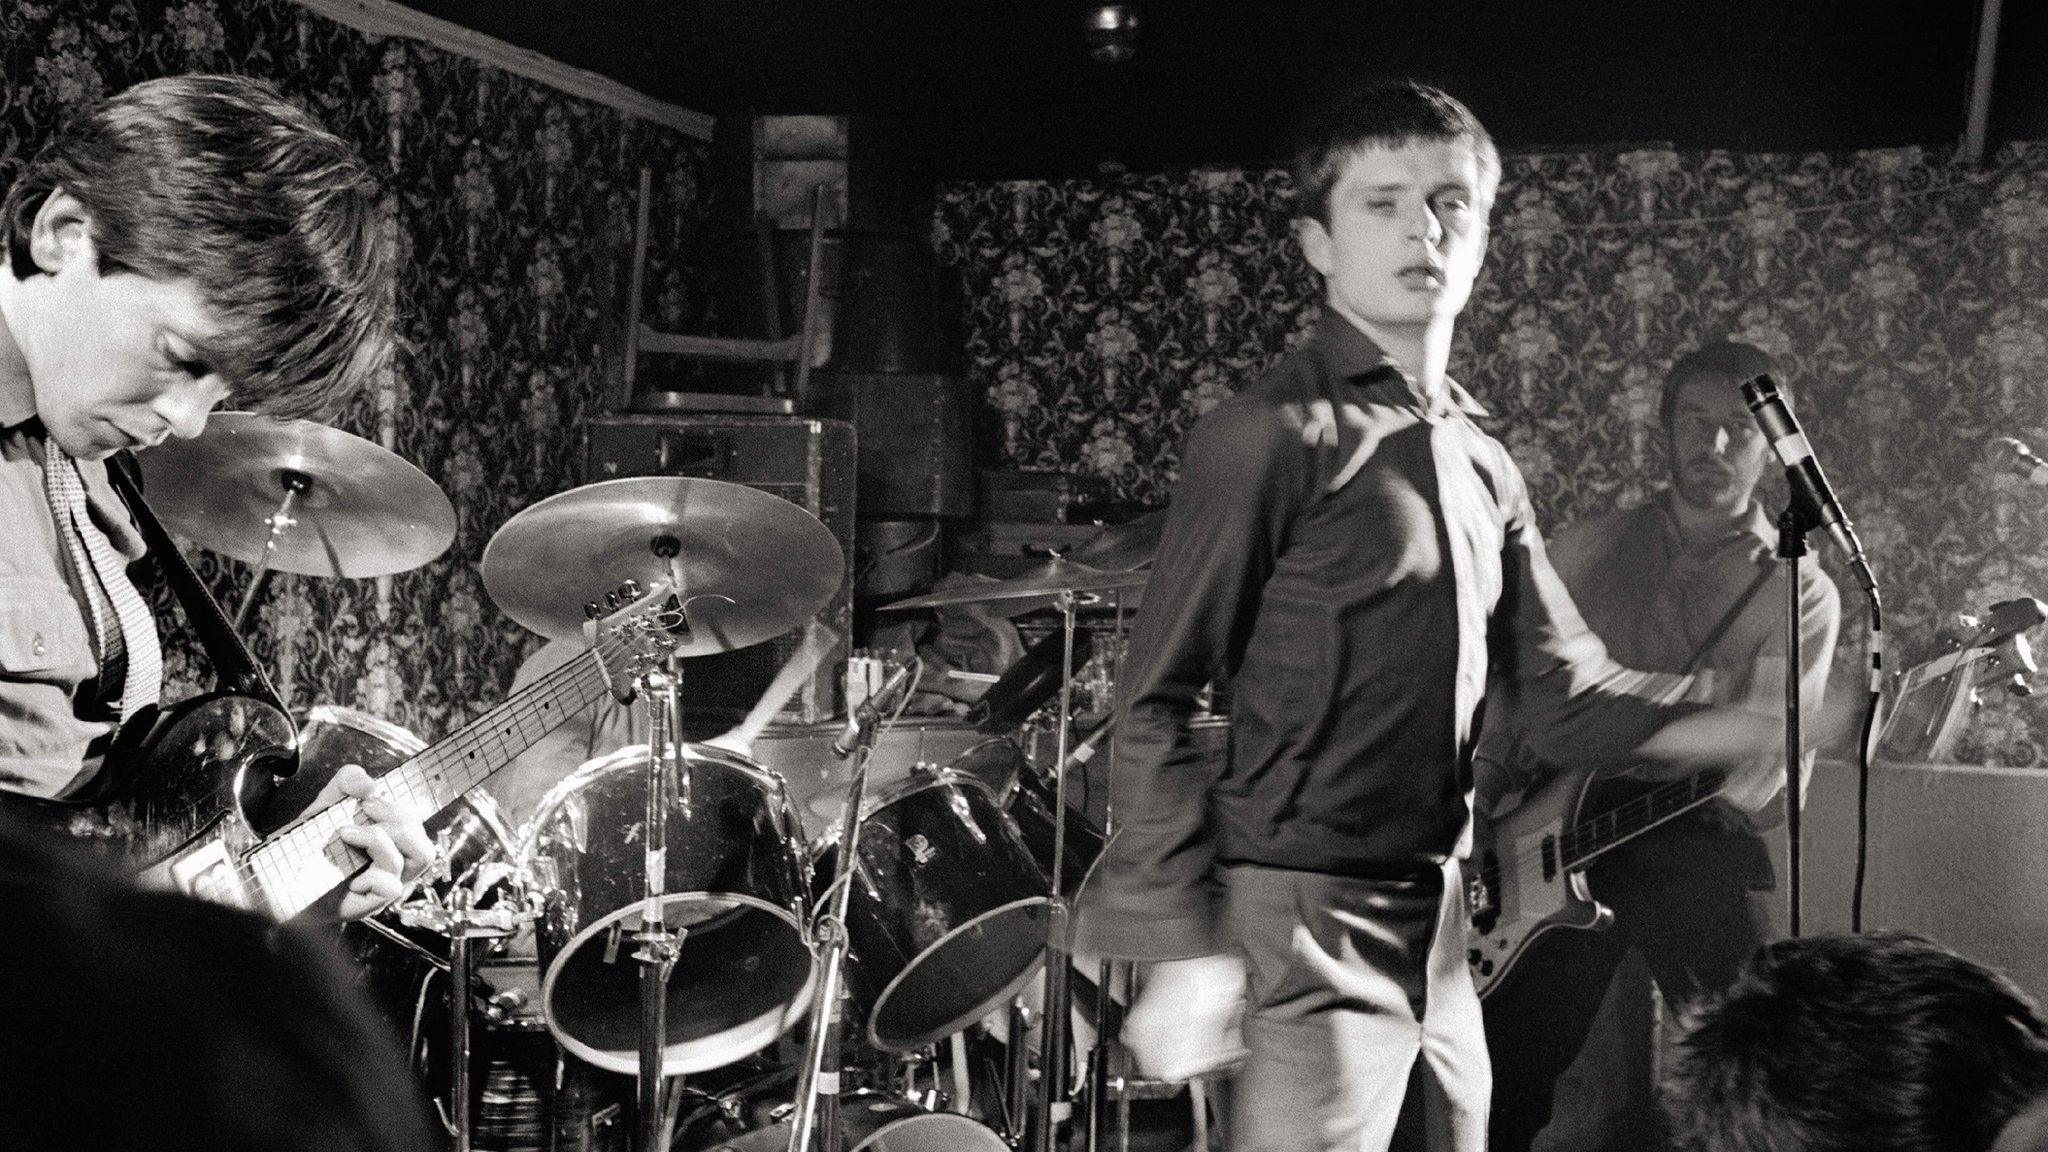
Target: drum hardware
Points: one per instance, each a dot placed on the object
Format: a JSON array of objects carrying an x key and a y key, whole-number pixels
[
  {"x": 461, "y": 921},
  {"x": 658, "y": 946},
  {"x": 1025, "y": 686},
  {"x": 817, "y": 1095},
  {"x": 1068, "y": 583},
  {"x": 296, "y": 496}
]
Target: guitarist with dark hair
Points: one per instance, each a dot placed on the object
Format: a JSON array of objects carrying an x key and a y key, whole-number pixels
[
  {"x": 190, "y": 241},
  {"x": 1684, "y": 583}
]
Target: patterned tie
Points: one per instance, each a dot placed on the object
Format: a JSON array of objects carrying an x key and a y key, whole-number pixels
[{"x": 94, "y": 556}]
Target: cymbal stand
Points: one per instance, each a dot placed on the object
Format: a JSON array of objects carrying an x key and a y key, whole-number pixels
[
  {"x": 1106, "y": 971},
  {"x": 817, "y": 1093},
  {"x": 658, "y": 944},
  {"x": 1057, "y": 1099},
  {"x": 461, "y": 921},
  {"x": 295, "y": 484}
]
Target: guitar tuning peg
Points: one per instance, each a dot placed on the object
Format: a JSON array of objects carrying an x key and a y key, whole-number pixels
[
  {"x": 592, "y": 610},
  {"x": 611, "y": 600},
  {"x": 629, "y": 591},
  {"x": 2018, "y": 686}
]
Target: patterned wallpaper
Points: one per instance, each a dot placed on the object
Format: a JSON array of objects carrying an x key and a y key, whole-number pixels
[
  {"x": 1907, "y": 297},
  {"x": 511, "y": 205}
]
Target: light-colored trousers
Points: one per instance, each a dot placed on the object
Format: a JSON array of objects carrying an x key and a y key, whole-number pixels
[{"x": 1360, "y": 1016}]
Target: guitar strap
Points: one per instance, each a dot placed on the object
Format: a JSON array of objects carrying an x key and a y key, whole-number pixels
[
  {"x": 1699, "y": 654},
  {"x": 234, "y": 669}
]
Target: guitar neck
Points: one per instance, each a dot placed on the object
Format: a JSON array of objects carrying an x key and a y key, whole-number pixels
[
  {"x": 1618, "y": 825},
  {"x": 298, "y": 866}
]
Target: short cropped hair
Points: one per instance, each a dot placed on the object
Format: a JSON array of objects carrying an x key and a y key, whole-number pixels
[
  {"x": 1881, "y": 1043},
  {"x": 222, "y": 181},
  {"x": 1388, "y": 115},
  {"x": 1729, "y": 362}
]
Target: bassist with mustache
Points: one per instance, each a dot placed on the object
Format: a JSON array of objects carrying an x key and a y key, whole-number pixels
[{"x": 1669, "y": 585}]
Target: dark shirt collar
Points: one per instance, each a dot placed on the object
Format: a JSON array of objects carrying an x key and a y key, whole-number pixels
[{"x": 1345, "y": 353}]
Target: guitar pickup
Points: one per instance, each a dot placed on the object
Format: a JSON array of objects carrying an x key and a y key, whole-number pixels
[{"x": 1549, "y": 858}]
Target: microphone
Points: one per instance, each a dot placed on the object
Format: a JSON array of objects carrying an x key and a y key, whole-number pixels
[
  {"x": 1811, "y": 492},
  {"x": 2020, "y": 460},
  {"x": 870, "y": 710},
  {"x": 1083, "y": 752}
]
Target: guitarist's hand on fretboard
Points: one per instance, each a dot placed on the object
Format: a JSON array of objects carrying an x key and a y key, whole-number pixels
[{"x": 396, "y": 844}]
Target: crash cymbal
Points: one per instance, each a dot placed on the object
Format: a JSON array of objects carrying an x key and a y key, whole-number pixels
[
  {"x": 1125, "y": 547},
  {"x": 1048, "y": 579},
  {"x": 749, "y": 566},
  {"x": 344, "y": 506}
]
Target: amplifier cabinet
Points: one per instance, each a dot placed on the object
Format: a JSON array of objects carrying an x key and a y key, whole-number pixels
[{"x": 808, "y": 462}]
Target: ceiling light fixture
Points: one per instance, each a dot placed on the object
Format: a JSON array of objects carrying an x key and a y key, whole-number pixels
[{"x": 1112, "y": 33}]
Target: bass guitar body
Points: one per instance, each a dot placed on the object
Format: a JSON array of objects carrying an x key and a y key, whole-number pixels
[{"x": 1520, "y": 888}]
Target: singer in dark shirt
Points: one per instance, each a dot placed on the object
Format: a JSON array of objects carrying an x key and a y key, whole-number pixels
[{"x": 1361, "y": 560}]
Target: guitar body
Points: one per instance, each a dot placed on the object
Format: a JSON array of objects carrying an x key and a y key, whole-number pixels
[
  {"x": 1520, "y": 889},
  {"x": 176, "y": 780}
]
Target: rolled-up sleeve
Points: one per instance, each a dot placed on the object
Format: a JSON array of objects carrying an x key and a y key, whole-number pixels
[{"x": 1242, "y": 472}]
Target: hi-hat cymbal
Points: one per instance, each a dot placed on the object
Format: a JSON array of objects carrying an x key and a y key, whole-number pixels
[
  {"x": 1048, "y": 579},
  {"x": 356, "y": 508},
  {"x": 1124, "y": 547},
  {"x": 749, "y": 566}
]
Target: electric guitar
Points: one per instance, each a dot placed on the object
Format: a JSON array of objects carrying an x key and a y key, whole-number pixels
[
  {"x": 191, "y": 807},
  {"x": 1529, "y": 876}
]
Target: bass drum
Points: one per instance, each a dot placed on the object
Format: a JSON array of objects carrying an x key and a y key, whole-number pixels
[
  {"x": 1028, "y": 797},
  {"x": 733, "y": 884},
  {"x": 755, "y": 1118},
  {"x": 948, "y": 916}
]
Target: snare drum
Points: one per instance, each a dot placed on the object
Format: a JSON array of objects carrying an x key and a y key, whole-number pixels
[
  {"x": 948, "y": 912},
  {"x": 733, "y": 887}
]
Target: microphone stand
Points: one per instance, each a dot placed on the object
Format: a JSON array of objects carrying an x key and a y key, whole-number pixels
[
  {"x": 659, "y": 946},
  {"x": 1058, "y": 1104},
  {"x": 1791, "y": 547},
  {"x": 817, "y": 1091}
]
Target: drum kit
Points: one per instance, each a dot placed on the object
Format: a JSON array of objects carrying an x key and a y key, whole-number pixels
[{"x": 664, "y": 915}]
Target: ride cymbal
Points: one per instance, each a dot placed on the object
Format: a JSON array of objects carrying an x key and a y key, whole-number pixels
[{"x": 748, "y": 566}]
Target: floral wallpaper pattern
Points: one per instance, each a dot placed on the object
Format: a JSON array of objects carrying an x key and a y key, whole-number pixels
[
  {"x": 511, "y": 206},
  {"x": 1906, "y": 297}
]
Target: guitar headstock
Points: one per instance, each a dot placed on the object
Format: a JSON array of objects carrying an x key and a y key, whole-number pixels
[
  {"x": 634, "y": 632},
  {"x": 1996, "y": 645},
  {"x": 1932, "y": 701}
]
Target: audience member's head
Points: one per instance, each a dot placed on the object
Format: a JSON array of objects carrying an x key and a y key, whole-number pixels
[
  {"x": 1880, "y": 1043},
  {"x": 148, "y": 1020}
]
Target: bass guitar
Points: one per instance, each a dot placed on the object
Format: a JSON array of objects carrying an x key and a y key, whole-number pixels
[{"x": 1529, "y": 875}]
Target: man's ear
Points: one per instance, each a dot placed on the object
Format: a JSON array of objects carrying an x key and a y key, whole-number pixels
[
  {"x": 1315, "y": 242},
  {"x": 60, "y": 233}
]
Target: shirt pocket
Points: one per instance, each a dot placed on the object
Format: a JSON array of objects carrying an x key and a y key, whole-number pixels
[{"x": 42, "y": 634}]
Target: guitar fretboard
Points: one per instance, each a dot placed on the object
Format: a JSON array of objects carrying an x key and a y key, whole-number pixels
[
  {"x": 297, "y": 867},
  {"x": 1587, "y": 839}
]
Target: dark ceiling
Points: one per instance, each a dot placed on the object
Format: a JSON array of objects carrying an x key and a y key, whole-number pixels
[{"x": 1005, "y": 87}]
